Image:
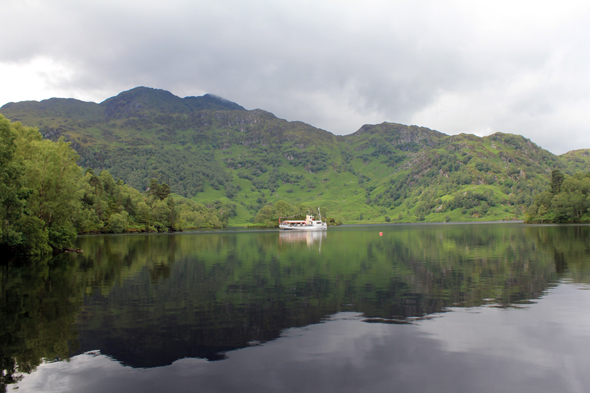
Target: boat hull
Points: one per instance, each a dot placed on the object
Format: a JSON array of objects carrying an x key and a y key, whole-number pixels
[{"x": 321, "y": 227}]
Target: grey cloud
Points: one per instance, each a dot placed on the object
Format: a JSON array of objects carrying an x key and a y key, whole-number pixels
[{"x": 335, "y": 66}]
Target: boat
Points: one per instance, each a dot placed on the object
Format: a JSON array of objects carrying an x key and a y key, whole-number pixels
[{"x": 310, "y": 223}]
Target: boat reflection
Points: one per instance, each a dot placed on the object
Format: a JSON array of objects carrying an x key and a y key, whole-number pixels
[{"x": 309, "y": 237}]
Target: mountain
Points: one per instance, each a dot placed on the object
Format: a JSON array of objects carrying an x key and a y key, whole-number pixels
[
  {"x": 142, "y": 99},
  {"x": 209, "y": 148}
]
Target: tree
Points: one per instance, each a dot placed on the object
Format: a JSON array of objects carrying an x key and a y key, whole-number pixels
[
  {"x": 21, "y": 230},
  {"x": 163, "y": 191},
  {"x": 118, "y": 222},
  {"x": 283, "y": 209},
  {"x": 39, "y": 193},
  {"x": 265, "y": 214},
  {"x": 556, "y": 181},
  {"x": 541, "y": 212},
  {"x": 159, "y": 190},
  {"x": 12, "y": 194},
  {"x": 52, "y": 175}
]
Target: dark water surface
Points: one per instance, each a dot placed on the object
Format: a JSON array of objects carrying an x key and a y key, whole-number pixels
[{"x": 422, "y": 308}]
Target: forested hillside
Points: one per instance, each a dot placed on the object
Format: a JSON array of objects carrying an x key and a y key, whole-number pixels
[
  {"x": 210, "y": 149},
  {"x": 566, "y": 200},
  {"x": 46, "y": 198}
]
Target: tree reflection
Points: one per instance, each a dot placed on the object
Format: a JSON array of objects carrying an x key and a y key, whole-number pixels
[
  {"x": 152, "y": 299},
  {"x": 201, "y": 295},
  {"x": 38, "y": 305}
]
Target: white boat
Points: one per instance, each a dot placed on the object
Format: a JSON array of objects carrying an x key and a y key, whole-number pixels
[{"x": 309, "y": 224}]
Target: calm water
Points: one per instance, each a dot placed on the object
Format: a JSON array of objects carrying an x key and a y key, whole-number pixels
[{"x": 422, "y": 308}]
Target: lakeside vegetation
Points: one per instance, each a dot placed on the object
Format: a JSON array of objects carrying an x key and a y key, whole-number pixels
[
  {"x": 567, "y": 200},
  {"x": 46, "y": 198}
]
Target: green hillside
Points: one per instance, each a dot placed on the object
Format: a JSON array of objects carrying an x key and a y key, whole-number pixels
[{"x": 208, "y": 149}]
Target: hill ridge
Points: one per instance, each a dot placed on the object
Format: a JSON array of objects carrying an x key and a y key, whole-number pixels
[{"x": 209, "y": 148}]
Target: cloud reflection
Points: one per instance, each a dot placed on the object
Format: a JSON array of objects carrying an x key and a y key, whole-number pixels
[{"x": 540, "y": 348}]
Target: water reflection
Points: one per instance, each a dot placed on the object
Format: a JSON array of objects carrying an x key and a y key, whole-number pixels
[
  {"x": 38, "y": 305},
  {"x": 310, "y": 238},
  {"x": 492, "y": 350},
  {"x": 148, "y": 300}
]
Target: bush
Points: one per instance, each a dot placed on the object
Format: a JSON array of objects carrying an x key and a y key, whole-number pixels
[
  {"x": 118, "y": 222},
  {"x": 32, "y": 237},
  {"x": 61, "y": 236}
]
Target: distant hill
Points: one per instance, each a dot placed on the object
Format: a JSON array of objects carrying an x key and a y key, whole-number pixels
[
  {"x": 577, "y": 160},
  {"x": 209, "y": 148}
]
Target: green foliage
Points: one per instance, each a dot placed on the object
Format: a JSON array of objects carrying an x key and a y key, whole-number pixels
[
  {"x": 213, "y": 150},
  {"x": 117, "y": 207},
  {"x": 161, "y": 191},
  {"x": 193, "y": 215},
  {"x": 40, "y": 196},
  {"x": 52, "y": 175},
  {"x": 118, "y": 222},
  {"x": 60, "y": 236},
  {"x": 187, "y": 172},
  {"x": 567, "y": 200},
  {"x": 46, "y": 199},
  {"x": 266, "y": 215},
  {"x": 556, "y": 181},
  {"x": 12, "y": 192},
  {"x": 33, "y": 237},
  {"x": 576, "y": 161}
]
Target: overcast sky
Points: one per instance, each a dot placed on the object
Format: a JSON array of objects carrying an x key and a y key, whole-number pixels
[{"x": 469, "y": 66}]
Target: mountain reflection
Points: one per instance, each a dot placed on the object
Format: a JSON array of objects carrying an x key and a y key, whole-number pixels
[{"x": 148, "y": 300}]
